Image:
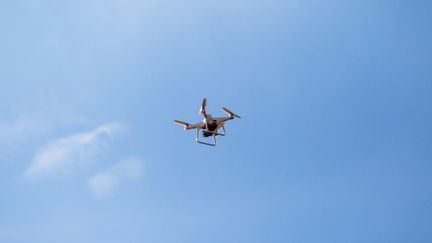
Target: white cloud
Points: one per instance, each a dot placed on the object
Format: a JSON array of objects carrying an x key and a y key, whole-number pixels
[
  {"x": 105, "y": 183},
  {"x": 66, "y": 154}
]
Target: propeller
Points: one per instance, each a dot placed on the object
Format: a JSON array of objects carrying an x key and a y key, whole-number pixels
[
  {"x": 202, "y": 110},
  {"x": 230, "y": 113},
  {"x": 182, "y": 123}
]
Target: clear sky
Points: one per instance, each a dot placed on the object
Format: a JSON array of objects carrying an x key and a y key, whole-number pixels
[{"x": 334, "y": 144}]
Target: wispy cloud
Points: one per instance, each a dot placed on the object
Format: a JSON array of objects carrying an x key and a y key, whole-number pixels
[
  {"x": 66, "y": 154},
  {"x": 105, "y": 183}
]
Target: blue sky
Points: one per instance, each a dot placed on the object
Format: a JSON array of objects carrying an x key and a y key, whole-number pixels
[{"x": 334, "y": 145}]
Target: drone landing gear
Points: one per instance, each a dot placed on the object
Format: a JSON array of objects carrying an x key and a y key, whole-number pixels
[{"x": 213, "y": 134}]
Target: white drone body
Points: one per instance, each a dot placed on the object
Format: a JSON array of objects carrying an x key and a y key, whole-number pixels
[{"x": 209, "y": 125}]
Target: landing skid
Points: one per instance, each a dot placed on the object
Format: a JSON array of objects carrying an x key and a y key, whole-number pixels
[{"x": 209, "y": 144}]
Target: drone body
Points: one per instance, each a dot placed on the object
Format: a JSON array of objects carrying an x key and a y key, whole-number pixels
[{"x": 209, "y": 125}]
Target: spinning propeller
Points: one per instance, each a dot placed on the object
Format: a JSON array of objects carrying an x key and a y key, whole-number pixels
[
  {"x": 230, "y": 113},
  {"x": 202, "y": 110},
  {"x": 182, "y": 123}
]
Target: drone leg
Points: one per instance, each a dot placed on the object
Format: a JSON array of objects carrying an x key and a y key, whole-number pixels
[
  {"x": 214, "y": 140},
  {"x": 223, "y": 128},
  {"x": 197, "y": 134}
]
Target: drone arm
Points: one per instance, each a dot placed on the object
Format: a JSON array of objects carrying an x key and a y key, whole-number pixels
[{"x": 199, "y": 125}]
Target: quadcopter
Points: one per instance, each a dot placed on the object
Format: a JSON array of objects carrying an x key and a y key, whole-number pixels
[{"x": 209, "y": 125}]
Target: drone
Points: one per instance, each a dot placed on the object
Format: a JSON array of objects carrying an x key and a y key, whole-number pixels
[{"x": 209, "y": 125}]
